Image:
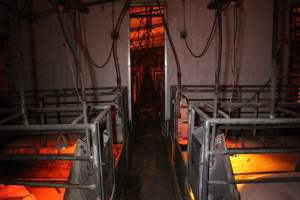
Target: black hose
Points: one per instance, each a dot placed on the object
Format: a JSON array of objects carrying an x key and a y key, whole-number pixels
[{"x": 207, "y": 44}]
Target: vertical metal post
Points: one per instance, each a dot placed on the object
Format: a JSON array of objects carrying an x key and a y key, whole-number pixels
[
  {"x": 84, "y": 109},
  {"x": 42, "y": 115},
  {"x": 19, "y": 55},
  {"x": 190, "y": 131},
  {"x": 217, "y": 78},
  {"x": 109, "y": 130},
  {"x": 206, "y": 163},
  {"x": 274, "y": 69},
  {"x": 256, "y": 111},
  {"x": 219, "y": 63},
  {"x": 58, "y": 105},
  {"x": 97, "y": 162}
]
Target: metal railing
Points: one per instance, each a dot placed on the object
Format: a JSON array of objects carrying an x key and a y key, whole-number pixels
[
  {"x": 62, "y": 112},
  {"x": 208, "y": 172},
  {"x": 213, "y": 171}
]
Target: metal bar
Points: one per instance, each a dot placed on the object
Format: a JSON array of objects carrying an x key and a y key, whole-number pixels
[
  {"x": 200, "y": 112},
  {"x": 203, "y": 187},
  {"x": 110, "y": 134},
  {"x": 11, "y": 118},
  {"x": 263, "y": 173},
  {"x": 47, "y": 184},
  {"x": 42, "y": 115},
  {"x": 274, "y": 65},
  {"x": 101, "y": 115},
  {"x": 256, "y": 111},
  {"x": 245, "y": 121},
  {"x": 20, "y": 72},
  {"x": 77, "y": 119},
  {"x": 256, "y": 181},
  {"x": 191, "y": 114},
  {"x": 56, "y": 109},
  {"x": 97, "y": 162},
  {"x": 219, "y": 110},
  {"x": 58, "y": 105},
  {"x": 34, "y": 157},
  {"x": 46, "y": 127},
  {"x": 257, "y": 151},
  {"x": 288, "y": 112},
  {"x": 256, "y": 126}
]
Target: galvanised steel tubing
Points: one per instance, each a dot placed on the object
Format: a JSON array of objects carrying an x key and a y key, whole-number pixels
[
  {"x": 97, "y": 162},
  {"x": 289, "y": 104},
  {"x": 11, "y": 118},
  {"x": 256, "y": 151},
  {"x": 199, "y": 111},
  {"x": 232, "y": 105},
  {"x": 77, "y": 119},
  {"x": 274, "y": 66},
  {"x": 55, "y": 109},
  {"x": 249, "y": 121},
  {"x": 219, "y": 110},
  {"x": 249, "y": 127},
  {"x": 102, "y": 114},
  {"x": 288, "y": 112},
  {"x": 264, "y": 173},
  {"x": 206, "y": 162},
  {"x": 45, "y": 128},
  {"x": 47, "y": 184},
  {"x": 256, "y": 181},
  {"x": 207, "y": 146},
  {"x": 191, "y": 114},
  {"x": 20, "y": 72},
  {"x": 109, "y": 130},
  {"x": 62, "y": 92},
  {"x": 43, "y": 157},
  {"x": 97, "y": 155}
]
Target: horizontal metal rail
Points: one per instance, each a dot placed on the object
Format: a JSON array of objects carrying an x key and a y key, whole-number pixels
[
  {"x": 255, "y": 181},
  {"x": 47, "y": 184},
  {"x": 257, "y": 151},
  {"x": 43, "y": 157},
  {"x": 10, "y": 118}
]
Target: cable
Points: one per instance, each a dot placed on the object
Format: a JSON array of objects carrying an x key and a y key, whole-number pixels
[
  {"x": 208, "y": 42},
  {"x": 68, "y": 42},
  {"x": 74, "y": 80},
  {"x": 173, "y": 48},
  {"x": 234, "y": 70},
  {"x": 115, "y": 42},
  {"x": 85, "y": 51}
]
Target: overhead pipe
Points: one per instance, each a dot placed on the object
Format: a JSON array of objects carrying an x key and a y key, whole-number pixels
[
  {"x": 274, "y": 66},
  {"x": 20, "y": 71}
]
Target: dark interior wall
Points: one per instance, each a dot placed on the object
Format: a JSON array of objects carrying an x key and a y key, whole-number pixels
[
  {"x": 53, "y": 66},
  {"x": 255, "y": 42},
  {"x": 254, "y": 55},
  {"x": 44, "y": 48}
]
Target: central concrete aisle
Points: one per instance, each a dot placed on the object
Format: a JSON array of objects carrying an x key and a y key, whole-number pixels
[{"x": 150, "y": 177}]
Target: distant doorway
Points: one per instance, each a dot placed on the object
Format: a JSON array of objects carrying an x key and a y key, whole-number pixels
[{"x": 147, "y": 62}]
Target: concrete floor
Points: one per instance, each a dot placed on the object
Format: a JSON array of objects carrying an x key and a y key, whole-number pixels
[{"x": 150, "y": 173}]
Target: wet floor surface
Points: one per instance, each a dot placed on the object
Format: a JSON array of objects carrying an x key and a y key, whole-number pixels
[{"x": 150, "y": 176}]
